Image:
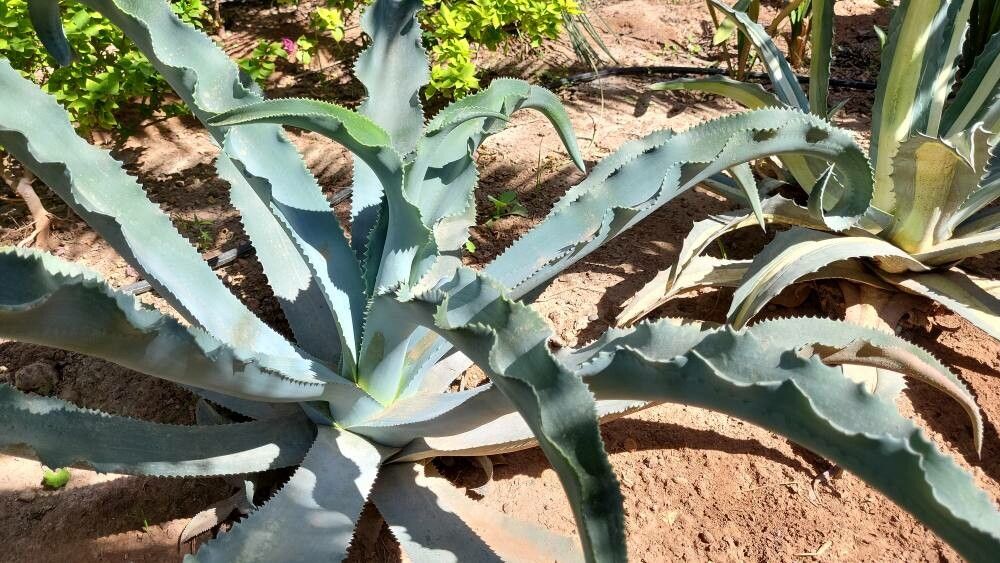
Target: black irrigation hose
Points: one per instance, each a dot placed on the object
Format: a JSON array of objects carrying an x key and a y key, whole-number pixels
[{"x": 582, "y": 77}]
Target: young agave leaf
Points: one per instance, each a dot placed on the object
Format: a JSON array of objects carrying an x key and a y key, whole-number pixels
[
  {"x": 931, "y": 180},
  {"x": 62, "y": 435},
  {"x": 392, "y": 69},
  {"x": 312, "y": 517},
  {"x": 461, "y": 530}
]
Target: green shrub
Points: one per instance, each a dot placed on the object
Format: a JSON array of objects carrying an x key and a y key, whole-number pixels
[
  {"x": 454, "y": 32},
  {"x": 108, "y": 71}
]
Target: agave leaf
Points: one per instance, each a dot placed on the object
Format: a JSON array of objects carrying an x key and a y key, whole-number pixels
[
  {"x": 748, "y": 94},
  {"x": 978, "y": 90},
  {"x": 751, "y": 374},
  {"x": 643, "y": 175},
  {"x": 215, "y": 515},
  {"x": 705, "y": 271},
  {"x": 443, "y": 175},
  {"x": 959, "y": 248},
  {"x": 55, "y": 303},
  {"x": 479, "y": 421},
  {"x": 743, "y": 176},
  {"x": 45, "y": 19},
  {"x": 392, "y": 69},
  {"x": 313, "y": 516},
  {"x": 510, "y": 341},
  {"x": 406, "y": 244},
  {"x": 256, "y": 410},
  {"x": 61, "y": 435},
  {"x": 786, "y": 86},
  {"x": 821, "y": 52},
  {"x": 797, "y": 252},
  {"x": 97, "y": 189},
  {"x": 354, "y": 131},
  {"x": 986, "y": 193},
  {"x": 957, "y": 291},
  {"x": 461, "y": 529},
  {"x": 914, "y": 81},
  {"x": 277, "y": 193},
  {"x": 932, "y": 180},
  {"x": 701, "y": 271}
]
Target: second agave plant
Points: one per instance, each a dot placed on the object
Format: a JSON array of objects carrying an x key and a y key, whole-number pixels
[
  {"x": 936, "y": 172},
  {"x": 359, "y": 400}
]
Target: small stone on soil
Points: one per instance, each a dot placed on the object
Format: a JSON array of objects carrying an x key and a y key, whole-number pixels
[{"x": 27, "y": 496}]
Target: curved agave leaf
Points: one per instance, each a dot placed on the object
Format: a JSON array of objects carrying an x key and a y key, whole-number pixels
[
  {"x": 957, "y": 291},
  {"x": 797, "y": 252},
  {"x": 408, "y": 248},
  {"x": 443, "y": 175},
  {"x": 354, "y": 131},
  {"x": 985, "y": 193},
  {"x": 786, "y": 85},
  {"x": 914, "y": 81},
  {"x": 821, "y": 52},
  {"x": 45, "y": 18},
  {"x": 298, "y": 239},
  {"x": 54, "y": 303},
  {"x": 700, "y": 271},
  {"x": 978, "y": 90},
  {"x": 775, "y": 209},
  {"x": 479, "y": 421},
  {"x": 748, "y": 94},
  {"x": 392, "y": 69},
  {"x": 62, "y": 434},
  {"x": 751, "y": 375},
  {"x": 959, "y": 248},
  {"x": 705, "y": 271},
  {"x": 461, "y": 530},
  {"x": 312, "y": 518},
  {"x": 643, "y": 175},
  {"x": 37, "y": 131},
  {"x": 510, "y": 341}
]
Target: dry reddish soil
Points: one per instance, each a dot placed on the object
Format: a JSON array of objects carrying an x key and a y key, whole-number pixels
[{"x": 697, "y": 485}]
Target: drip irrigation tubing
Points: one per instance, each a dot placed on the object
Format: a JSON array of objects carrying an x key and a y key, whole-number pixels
[{"x": 608, "y": 72}]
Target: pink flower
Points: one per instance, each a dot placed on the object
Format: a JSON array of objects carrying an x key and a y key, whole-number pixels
[{"x": 289, "y": 46}]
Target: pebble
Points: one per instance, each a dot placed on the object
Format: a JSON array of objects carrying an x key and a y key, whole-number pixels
[
  {"x": 27, "y": 496},
  {"x": 706, "y": 537},
  {"x": 39, "y": 377}
]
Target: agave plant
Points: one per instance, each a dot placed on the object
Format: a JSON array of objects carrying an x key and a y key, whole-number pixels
[
  {"x": 383, "y": 324},
  {"x": 936, "y": 170}
]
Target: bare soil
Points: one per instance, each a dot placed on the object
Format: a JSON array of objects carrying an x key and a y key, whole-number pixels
[{"x": 698, "y": 486}]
